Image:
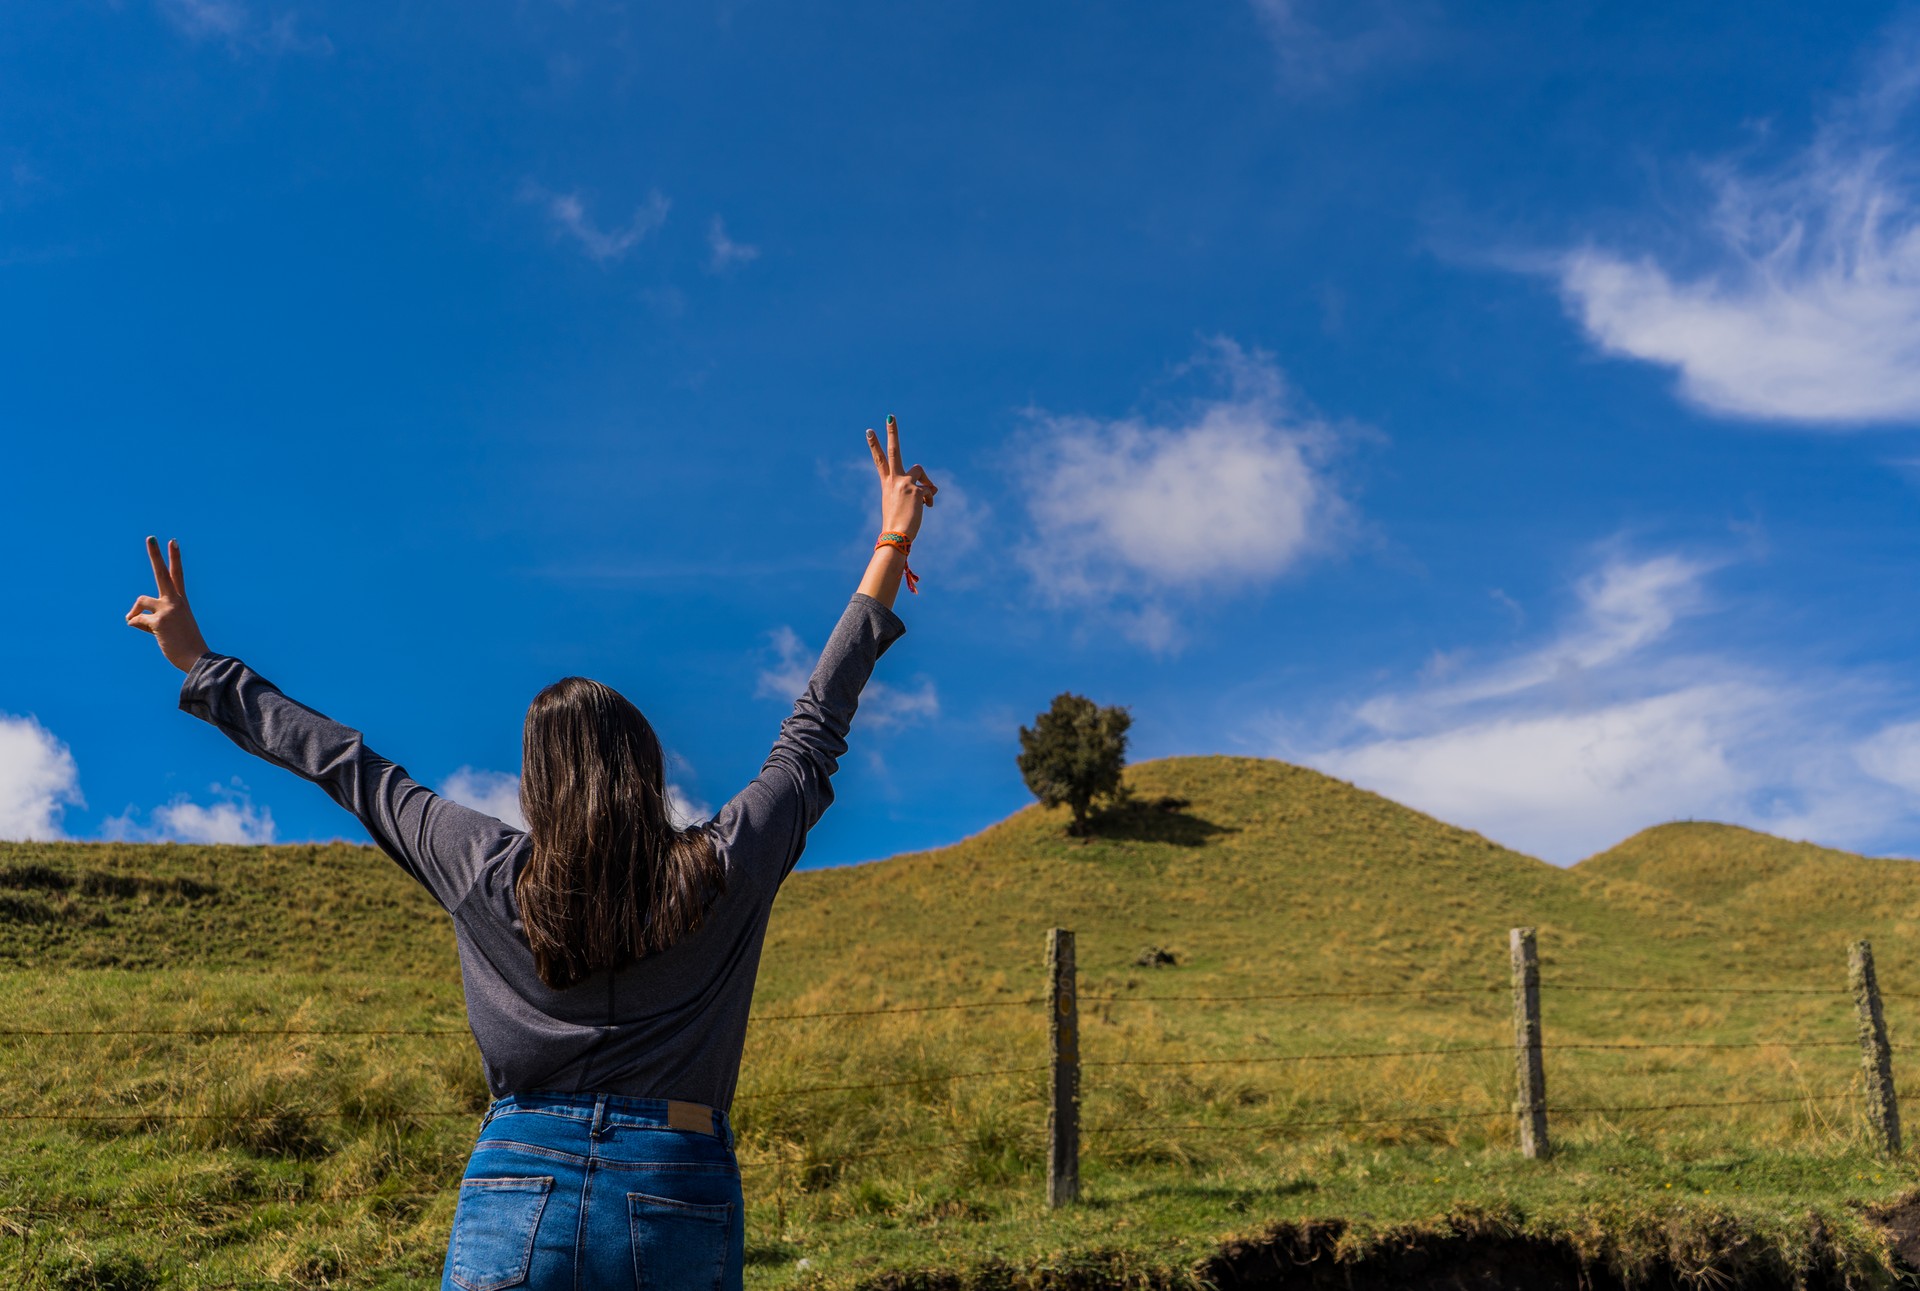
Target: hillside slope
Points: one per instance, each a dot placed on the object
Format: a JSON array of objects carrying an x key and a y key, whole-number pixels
[
  {"x": 1792, "y": 902},
  {"x": 1247, "y": 869},
  {"x": 1279, "y": 875},
  {"x": 264, "y": 1046}
]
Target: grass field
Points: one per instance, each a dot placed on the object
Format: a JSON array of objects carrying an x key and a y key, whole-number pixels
[{"x": 327, "y": 1160}]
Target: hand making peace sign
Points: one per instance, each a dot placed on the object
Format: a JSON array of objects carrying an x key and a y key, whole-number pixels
[
  {"x": 166, "y": 615},
  {"x": 904, "y": 491}
]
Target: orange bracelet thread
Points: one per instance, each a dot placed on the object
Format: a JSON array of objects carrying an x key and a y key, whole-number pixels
[{"x": 905, "y": 544}]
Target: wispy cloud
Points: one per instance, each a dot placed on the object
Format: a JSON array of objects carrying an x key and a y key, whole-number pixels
[
  {"x": 232, "y": 817},
  {"x": 1801, "y": 299},
  {"x": 1136, "y": 511},
  {"x": 1320, "y": 45},
  {"x": 494, "y": 792},
  {"x": 1611, "y": 724},
  {"x": 38, "y": 780},
  {"x": 497, "y": 793},
  {"x": 569, "y": 216},
  {"x": 1893, "y": 755},
  {"x": 236, "y": 26},
  {"x": 881, "y": 705},
  {"x": 725, "y": 252}
]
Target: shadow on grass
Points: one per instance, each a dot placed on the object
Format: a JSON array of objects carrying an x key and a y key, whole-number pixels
[
  {"x": 1228, "y": 1197},
  {"x": 1162, "y": 819},
  {"x": 762, "y": 1254}
]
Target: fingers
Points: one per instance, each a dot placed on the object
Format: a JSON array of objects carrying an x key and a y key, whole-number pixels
[
  {"x": 141, "y": 615},
  {"x": 894, "y": 464},
  {"x": 879, "y": 458},
  {"x": 926, "y": 486},
  {"x": 161, "y": 582},
  {"x": 176, "y": 567}
]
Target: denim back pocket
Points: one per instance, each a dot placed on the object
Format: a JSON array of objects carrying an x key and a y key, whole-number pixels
[
  {"x": 493, "y": 1230},
  {"x": 678, "y": 1246}
]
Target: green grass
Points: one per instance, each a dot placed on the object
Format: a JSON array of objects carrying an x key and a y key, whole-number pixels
[{"x": 310, "y": 1161}]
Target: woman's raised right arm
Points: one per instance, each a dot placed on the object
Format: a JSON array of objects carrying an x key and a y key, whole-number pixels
[{"x": 440, "y": 842}]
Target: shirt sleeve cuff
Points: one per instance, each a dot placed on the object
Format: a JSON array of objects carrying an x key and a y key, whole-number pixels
[
  {"x": 888, "y": 627},
  {"x": 197, "y": 686}
]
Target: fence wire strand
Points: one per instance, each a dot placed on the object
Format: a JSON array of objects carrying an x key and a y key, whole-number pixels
[
  {"x": 1289, "y": 995},
  {"x": 452, "y": 1030},
  {"x": 890, "y": 1084},
  {"x": 1448, "y": 1117},
  {"x": 215, "y": 1032}
]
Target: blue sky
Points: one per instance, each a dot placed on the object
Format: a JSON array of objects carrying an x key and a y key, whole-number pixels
[{"x": 1512, "y": 410}]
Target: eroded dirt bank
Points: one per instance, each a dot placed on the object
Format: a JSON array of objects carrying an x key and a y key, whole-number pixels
[{"x": 1469, "y": 1254}]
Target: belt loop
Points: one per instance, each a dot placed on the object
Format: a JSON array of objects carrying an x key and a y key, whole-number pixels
[{"x": 599, "y": 1129}]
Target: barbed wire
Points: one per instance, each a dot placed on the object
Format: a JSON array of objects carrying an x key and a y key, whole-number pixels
[
  {"x": 1449, "y": 1117},
  {"x": 283, "y": 1113},
  {"x": 1027, "y": 1002},
  {"x": 1295, "y": 1057},
  {"x": 1547, "y": 984},
  {"x": 911, "y": 1008},
  {"x": 1628, "y": 1046},
  {"x": 231, "y": 1031},
  {"x": 1288, "y": 995},
  {"x": 217, "y": 1032},
  {"x": 890, "y": 1084},
  {"x": 1338, "y": 1055},
  {"x": 354, "y": 1114},
  {"x": 86, "y": 1205}
]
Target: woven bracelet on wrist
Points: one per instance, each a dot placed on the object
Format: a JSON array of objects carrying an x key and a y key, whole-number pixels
[{"x": 905, "y": 544}]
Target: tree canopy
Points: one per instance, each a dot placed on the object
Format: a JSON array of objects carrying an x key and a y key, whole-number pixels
[{"x": 1074, "y": 753}]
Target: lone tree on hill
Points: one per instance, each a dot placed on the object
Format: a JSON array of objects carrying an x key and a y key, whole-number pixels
[{"x": 1074, "y": 754}]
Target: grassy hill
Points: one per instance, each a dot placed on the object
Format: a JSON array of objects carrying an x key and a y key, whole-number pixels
[{"x": 308, "y": 1162}]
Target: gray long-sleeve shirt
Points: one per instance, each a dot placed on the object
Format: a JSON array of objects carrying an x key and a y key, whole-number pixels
[{"x": 670, "y": 1025}]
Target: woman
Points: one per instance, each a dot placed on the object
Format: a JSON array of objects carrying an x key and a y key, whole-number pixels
[{"x": 608, "y": 958}]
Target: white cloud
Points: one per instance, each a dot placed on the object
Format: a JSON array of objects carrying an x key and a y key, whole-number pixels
[
  {"x": 494, "y": 792},
  {"x": 239, "y": 29},
  {"x": 1564, "y": 748},
  {"x": 38, "y": 780},
  {"x": 1234, "y": 491},
  {"x": 1566, "y": 784},
  {"x": 1319, "y": 45},
  {"x": 497, "y": 793},
  {"x": 726, "y": 253},
  {"x": 881, "y": 705},
  {"x": 231, "y": 818},
  {"x": 1893, "y": 755},
  {"x": 1807, "y": 306},
  {"x": 570, "y": 217},
  {"x": 683, "y": 810}
]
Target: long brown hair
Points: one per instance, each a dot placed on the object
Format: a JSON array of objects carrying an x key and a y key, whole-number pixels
[{"x": 610, "y": 878}]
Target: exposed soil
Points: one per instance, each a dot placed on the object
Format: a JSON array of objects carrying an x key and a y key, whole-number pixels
[
  {"x": 1460, "y": 1255},
  {"x": 1901, "y": 1221},
  {"x": 1303, "y": 1257}
]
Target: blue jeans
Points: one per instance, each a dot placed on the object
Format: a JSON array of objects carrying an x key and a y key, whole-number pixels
[{"x": 579, "y": 1192}]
